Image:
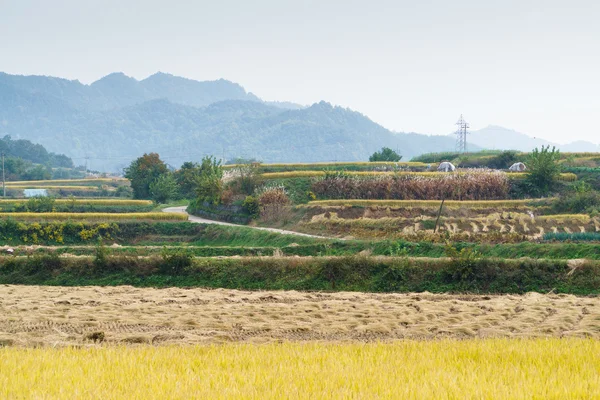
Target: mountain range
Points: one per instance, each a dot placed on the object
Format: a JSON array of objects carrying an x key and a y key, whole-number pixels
[
  {"x": 498, "y": 138},
  {"x": 118, "y": 118}
]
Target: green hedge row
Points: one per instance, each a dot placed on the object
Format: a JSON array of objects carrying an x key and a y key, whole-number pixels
[
  {"x": 213, "y": 243},
  {"x": 366, "y": 274}
]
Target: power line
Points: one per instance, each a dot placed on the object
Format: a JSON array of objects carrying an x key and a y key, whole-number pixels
[
  {"x": 461, "y": 135},
  {"x": 3, "y": 178}
]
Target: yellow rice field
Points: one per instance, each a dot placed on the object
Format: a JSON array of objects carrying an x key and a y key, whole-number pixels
[
  {"x": 98, "y": 202},
  {"x": 60, "y": 181},
  {"x": 157, "y": 216},
  {"x": 57, "y": 187},
  {"x": 445, "y": 369},
  {"x": 337, "y": 164}
]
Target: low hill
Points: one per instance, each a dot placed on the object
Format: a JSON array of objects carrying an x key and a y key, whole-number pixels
[
  {"x": 25, "y": 160},
  {"x": 34, "y": 153}
]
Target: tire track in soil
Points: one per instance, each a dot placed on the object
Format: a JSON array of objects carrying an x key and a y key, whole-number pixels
[{"x": 36, "y": 315}]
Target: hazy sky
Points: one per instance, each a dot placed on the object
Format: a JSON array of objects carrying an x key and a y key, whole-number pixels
[{"x": 533, "y": 66}]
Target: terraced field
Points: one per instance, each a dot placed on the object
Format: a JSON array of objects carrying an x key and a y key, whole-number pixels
[{"x": 357, "y": 318}]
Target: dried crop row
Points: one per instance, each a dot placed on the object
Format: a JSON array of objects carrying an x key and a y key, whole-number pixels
[
  {"x": 498, "y": 224},
  {"x": 461, "y": 186},
  {"x": 425, "y": 203},
  {"x": 567, "y": 177},
  {"x": 335, "y": 164}
]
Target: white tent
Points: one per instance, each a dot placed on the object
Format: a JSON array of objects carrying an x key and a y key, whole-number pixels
[
  {"x": 517, "y": 167},
  {"x": 446, "y": 167},
  {"x": 35, "y": 193}
]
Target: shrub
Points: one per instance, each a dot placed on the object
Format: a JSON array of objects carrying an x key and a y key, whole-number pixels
[
  {"x": 334, "y": 270},
  {"x": 430, "y": 223},
  {"x": 543, "y": 170},
  {"x": 580, "y": 198},
  {"x": 463, "y": 265},
  {"x": 272, "y": 201},
  {"x": 124, "y": 191},
  {"x": 43, "y": 264},
  {"x": 246, "y": 179},
  {"x": 100, "y": 256},
  {"x": 251, "y": 206},
  {"x": 40, "y": 204},
  {"x": 503, "y": 160},
  {"x": 386, "y": 154},
  {"x": 394, "y": 276},
  {"x": 175, "y": 261}
]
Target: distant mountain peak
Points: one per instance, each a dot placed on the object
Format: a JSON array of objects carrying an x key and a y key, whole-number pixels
[
  {"x": 115, "y": 77},
  {"x": 159, "y": 74},
  {"x": 322, "y": 105}
]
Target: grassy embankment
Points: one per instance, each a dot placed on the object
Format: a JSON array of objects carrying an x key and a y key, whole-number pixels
[{"x": 364, "y": 274}]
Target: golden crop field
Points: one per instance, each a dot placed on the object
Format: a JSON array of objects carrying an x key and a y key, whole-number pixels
[
  {"x": 448, "y": 369},
  {"x": 157, "y": 216},
  {"x": 336, "y": 164},
  {"x": 79, "y": 201},
  {"x": 60, "y": 181},
  {"x": 64, "y": 187},
  {"x": 421, "y": 203}
]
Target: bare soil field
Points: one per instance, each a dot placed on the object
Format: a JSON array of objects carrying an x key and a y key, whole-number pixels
[{"x": 60, "y": 316}]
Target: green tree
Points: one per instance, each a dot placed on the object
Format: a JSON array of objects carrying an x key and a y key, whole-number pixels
[
  {"x": 142, "y": 172},
  {"x": 209, "y": 184},
  {"x": 386, "y": 154},
  {"x": 247, "y": 179},
  {"x": 503, "y": 160},
  {"x": 164, "y": 188},
  {"x": 186, "y": 177},
  {"x": 543, "y": 170}
]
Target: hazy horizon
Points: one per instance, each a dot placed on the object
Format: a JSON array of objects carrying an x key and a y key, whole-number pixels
[{"x": 527, "y": 65}]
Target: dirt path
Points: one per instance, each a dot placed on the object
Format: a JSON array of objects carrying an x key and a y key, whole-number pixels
[
  {"x": 57, "y": 316},
  {"x": 199, "y": 220}
]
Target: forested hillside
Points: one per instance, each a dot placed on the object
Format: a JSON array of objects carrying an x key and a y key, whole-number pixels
[{"x": 25, "y": 160}]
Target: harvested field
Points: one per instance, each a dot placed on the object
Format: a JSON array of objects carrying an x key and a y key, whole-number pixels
[{"x": 59, "y": 316}]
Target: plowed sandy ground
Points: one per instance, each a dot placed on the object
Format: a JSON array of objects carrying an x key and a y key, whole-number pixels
[{"x": 58, "y": 316}]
